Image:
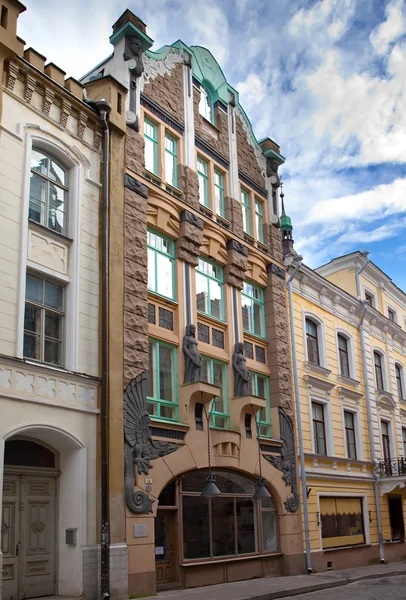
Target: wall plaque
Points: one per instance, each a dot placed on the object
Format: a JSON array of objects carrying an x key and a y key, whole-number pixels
[{"x": 140, "y": 530}]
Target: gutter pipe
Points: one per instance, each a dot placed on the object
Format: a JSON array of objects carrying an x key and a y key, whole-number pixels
[
  {"x": 368, "y": 402},
  {"x": 104, "y": 109},
  {"x": 298, "y": 416}
]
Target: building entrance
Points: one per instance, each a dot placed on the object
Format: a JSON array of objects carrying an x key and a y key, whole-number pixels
[
  {"x": 396, "y": 518},
  {"x": 28, "y": 527},
  {"x": 164, "y": 548}
]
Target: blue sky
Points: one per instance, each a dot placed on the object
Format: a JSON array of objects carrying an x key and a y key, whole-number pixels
[{"x": 326, "y": 79}]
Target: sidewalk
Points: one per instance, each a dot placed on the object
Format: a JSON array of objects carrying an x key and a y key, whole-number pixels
[{"x": 269, "y": 588}]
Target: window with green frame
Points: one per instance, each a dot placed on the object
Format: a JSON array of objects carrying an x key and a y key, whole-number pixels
[
  {"x": 246, "y": 216},
  {"x": 203, "y": 176},
  {"x": 259, "y": 221},
  {"x": 151, "y": 146},
  {"x": 171, "y": 160},
  {"x": 162, "y": 397},
  {"x": 219, "y": 192},
  {"x": 215, "y": 372},
  {"x": 210, "y": 289},
  {"x": 253, "y": 310},
  {"x": 259, "y": 386},
  {"x": 161, "y": 265},
  {"x": 206, "y": 104}
]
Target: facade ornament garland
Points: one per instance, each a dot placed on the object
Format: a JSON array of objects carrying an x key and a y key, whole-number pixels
[{"x": 287, "y": 461}]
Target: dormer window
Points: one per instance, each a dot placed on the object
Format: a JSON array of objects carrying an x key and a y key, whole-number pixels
[
  {"x": 205, "y": 104},
  {"x": 48, "y": 191}
]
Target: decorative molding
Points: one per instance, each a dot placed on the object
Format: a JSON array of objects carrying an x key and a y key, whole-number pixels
[
  {"x": 349, "y": 381},
  {"x": 348, "y": 393},
  {"x": 135, "y": 186},
  {"x": 238, "y": 247},
  {"x": 276, "y": 270},
  {"x": 321, "y": 384},
  {"x": 316, "y": 369}
]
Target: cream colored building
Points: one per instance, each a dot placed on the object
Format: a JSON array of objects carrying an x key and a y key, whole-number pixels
[{"x": 50, "y": 144}]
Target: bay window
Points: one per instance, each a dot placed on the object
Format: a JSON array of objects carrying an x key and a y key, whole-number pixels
[{"x": 162, "y": 381}]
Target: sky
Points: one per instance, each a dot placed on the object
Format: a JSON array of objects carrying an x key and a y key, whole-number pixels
[{"x": 325, "y": 79}]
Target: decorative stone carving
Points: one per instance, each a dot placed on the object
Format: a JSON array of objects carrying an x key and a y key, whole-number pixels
[
  {"x": 135, "y": 186},
  {"x": 65, "y": 112},
  {"x": 133, "y": 51},
  {"x": 275, "y": 270},
  {"x": 287, "y": 461},
  {"x": 48, "y": 101},
  {"x": 241, "y": 373},
  {"x": 190, "y": 238},
  {"x": 139, "y": 448},
  {"x": 165, "y": 318},
  {"x": 12, "y": 75},
  {"x": 193, "y": 360},
  {"x": 234, "y": 273},
  {"x": 30, "y": 83}
]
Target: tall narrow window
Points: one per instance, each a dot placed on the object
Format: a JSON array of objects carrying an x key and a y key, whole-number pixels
[
  {"x": 369, "y": 299},
  {"x": 350, "y": 434},
  {"x": 391, "y": 315},
  {"x": 161, "y": 265},
  {"x": 259, "y": 221},
  {"x": 312, "y": 342},
  {"x": 43, "y": 320},
  {"x": 171, "y": 161},
  {"x": 259, "y": 386},
  {"x": 210, "y": 289},
  {"x": 246, "y": 216},
  {"x": 253, "y": 311},
  {"x": 48, "y": 192},
  {"x": 162, "y": 378},
  {"x": 205, "y": 104},
  {"x": 319, "y": 429},
  {"x": 399, "y": 383},
  {"x": 385, "y": 440},
  {"x": 378, "y": 370},
  {"x": 343, "y": 353},
  {"x": 215, "y": 372},
  {"x": 219, "y": 192},
  {"x": 151, "y": 146},
  {"x": 203, "y": 177}
]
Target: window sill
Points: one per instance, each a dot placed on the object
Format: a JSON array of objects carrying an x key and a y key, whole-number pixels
[
  {"x": 211, "y": 320},
  {"x": 348, "y": 380},
  {"x": 206, "y": 211},
  {"x": 317, "y": 369},
  {"x": 173, "y": 424},
  {"x": 54, "y": 234},
  {"x": 204, "y": 563},
  {"x": 346, "y": 547},
  {"x": 254, "y": 336},
  {"x": 158, "y": 298}
]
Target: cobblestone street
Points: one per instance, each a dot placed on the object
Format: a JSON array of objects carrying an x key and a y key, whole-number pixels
[{"x": 386, "y": 588}]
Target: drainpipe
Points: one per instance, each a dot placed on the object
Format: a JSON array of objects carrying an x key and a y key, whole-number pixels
[
  {"x": 368, "y": 402},
  {"x": 104, "y": 109},
  {"x": 298, "y": 260}
]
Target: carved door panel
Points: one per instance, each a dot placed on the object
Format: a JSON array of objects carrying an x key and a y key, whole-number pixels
[
  {"x": 38, "y": 548},
  {"x": 164, "y": 547},
  {"x": 9, "y": 536}
]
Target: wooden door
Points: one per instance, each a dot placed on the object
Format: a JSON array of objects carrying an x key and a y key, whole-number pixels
[
  {"x": 396, "y": 518},
  {"x": 164, "y": 554},
  {"x": 29, "y": 543}
]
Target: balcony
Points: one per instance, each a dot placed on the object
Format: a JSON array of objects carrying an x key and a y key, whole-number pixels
[{"x": 392, "y": 467}]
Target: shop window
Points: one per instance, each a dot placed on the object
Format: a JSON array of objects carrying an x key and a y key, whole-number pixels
[
  {"x": 161, "y": 265},
  {"x": 259, "y": 386},
  {"x": 48, "y": 191},
  {"x": 343, "y": 355},
  {"x": 228, "y": 525},
  {"x": 162, "y": 381},
  {"x": 210, "y": 289},
  {"x": 215, "y": 372},
  {"x": 253, "y": 310},
  {"x": 312, "y": 342},
  {"x": 342, "y": 522},
  {"x": 246, "y": 210},
  {"x": 44, "y": 320}
]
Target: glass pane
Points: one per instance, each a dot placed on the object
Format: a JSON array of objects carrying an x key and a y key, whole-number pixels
[
  {"x": 223, "y": 526},
  {"x": 170, "y": 166},
  {"x": 170, "y": 144},
  {"x": 56, "y": 214},
  {"x": 151, "y": 385},
  {"x": 53, "y": 326},
  {"x": 269, "y": 534},
  {"x": 246, "y": 219},
  {"x": 150, "y": 129},
  {"x": 220, "y": 422},
  {"x": 246, "y": 304},
  {"x": 52, "y": 352},
  {"x": 150, "y": 155},
  {"x": 34, "y": 288},
  {"x": 32, "y": 319},
  {"x": 168, "y": 495},
  {"x": 318, "y": 411},
  {"x": 37, "y": 199},
  {"x": 218, "y": 196},
  {"x": 202, "y": 166},
  {"x": 261, "y": 387},
  {"x": 205, "y": 372},
  {"x": 216, "y": 304},
  {"x": 164, "y": 276},
  {"x": 311, "y": 328},
  {"x": 39, "y": 162},
  {"x": 258, "y": 319},
  {"x": 56, "y": 172},
  {"x": 167, "y": 412},
  {"x": 53, "y": 295},
  {"x": 202, "y": 189},
  {"x": 151, "y": 270},
  {"x": 166, "y": 369},
  {"x": 152, "y": 408},
  {"x": 202, "y": 285},
  {"x": 32, "y": 346},
  {"x": 218, "y": 372},
  {"x": 195, "y": 513},
  {"x": 246, "y": 535}
]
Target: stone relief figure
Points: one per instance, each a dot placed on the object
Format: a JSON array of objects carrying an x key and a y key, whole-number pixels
[
  {"x": 133, "y": 51},
  {"x": 193, "y": 360},
  {"x": 139, "y": 448},
  {"x": 241, "y": 373}
]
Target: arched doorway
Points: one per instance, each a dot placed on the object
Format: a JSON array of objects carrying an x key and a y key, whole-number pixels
[
  {"x": 196, "y": 538},
  {"x": 28, "y": 526}
]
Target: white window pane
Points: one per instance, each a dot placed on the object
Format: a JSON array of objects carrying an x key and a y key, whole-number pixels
[
  {"x": 150, "y": 129},
  {"x": 216, "y": 308},
  {"x": 170, "y": 165},
  {"x": 56, "y": 214},
  {"x": 170, "y": 144},
  {"x": 39, "y": 162},
  {"x": 150, "y": 155},
  {"x": 202, "y": 189},
  {"x": 151, "y": 270},
  {"x": 201, "y": 293},
  {"x": 246, "y": 305},
  {"x": 56, "y": 172},
  {"x": 218, "y": 199},
  {"x": 164, "y": 276},
  {"x": 202, "y": 166}
]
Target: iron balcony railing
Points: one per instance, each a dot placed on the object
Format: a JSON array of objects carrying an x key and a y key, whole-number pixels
[{"x": 392, "y": 467}]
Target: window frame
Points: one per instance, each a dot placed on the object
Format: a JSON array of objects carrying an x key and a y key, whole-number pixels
[
  {"x": 260, "y": 303},
  {"x": 259, "y": 220},
  {"x": 246, "y": 209},
  {"x": 221, "y": 187},
  {"x": 404, "y": 440},
  {"x": 44, "y": 308},
  {"x": 344, "y": 352},
  {"x": 213, "y": 413},
  {"x": 392, "y": 315},
  {"x": 170, "y": 256},
  {"x": 399, "y": 374},
  {"x": 219, "y": 281},
  {"x": 206, "y": 93},
  {"x": 315, "y": 338},
  {"x": 205, "y": 177},
  {"x": 364, "y": 513},
  {"x": 174, "y": 155},
  {"x": 354, "y": 430},
  {"x": 370, "y": 298},
  {"x": 377, "y": 353},
  {"x": 388, "y": 435},
  {"x": 323, "y": 422},
  {"x": 155, "y": 141},
  {"x": 260, "y": 423},
  {"x": 158, "y": 401}
]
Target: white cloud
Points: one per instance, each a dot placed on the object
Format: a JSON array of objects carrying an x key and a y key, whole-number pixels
[
  {"x": 391, "y": 29},
  {"x": 253, "y": 89}
]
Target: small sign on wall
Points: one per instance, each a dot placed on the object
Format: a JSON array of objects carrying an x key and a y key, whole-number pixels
[
  {"x": 140, "y": 530},
  {"x": 159, "y": 550}
]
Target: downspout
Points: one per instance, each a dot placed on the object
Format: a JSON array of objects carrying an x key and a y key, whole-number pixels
[
  {"x": 104, "y": 109},
  {"x": 299, "y": 418},
  {"x": 368, "y": 403}
]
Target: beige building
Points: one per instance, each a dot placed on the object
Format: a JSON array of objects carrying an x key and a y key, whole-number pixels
[{"x": 50, "y": 145}]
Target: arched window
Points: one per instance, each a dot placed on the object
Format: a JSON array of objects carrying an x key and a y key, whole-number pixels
[
  {"x": 48, "y": 191},
  {"x": 205, "y": 104}
]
